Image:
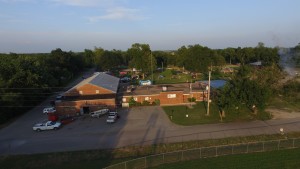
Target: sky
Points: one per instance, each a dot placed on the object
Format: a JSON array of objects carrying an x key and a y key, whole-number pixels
[{"x": 39, "y": 26}]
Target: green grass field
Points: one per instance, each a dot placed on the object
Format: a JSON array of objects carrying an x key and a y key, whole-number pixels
[
  {"x": 197, "y": 114},
  {"x": 283, "y": 159},
  {"x": 283, "y": 104}
]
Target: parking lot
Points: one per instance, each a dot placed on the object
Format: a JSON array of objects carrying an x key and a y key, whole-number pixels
[{"x": 135, "y": 125}]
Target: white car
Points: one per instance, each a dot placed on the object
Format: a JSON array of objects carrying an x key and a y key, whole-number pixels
[
  {"x": 49, "y": 110},
  {"x": 112, "y": 117},
  {"x": 49, "y": 125},
  {"x": 99, "y": 113}
]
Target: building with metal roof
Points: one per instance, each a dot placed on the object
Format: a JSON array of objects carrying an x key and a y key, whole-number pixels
[{"x": 91, "y": 94}]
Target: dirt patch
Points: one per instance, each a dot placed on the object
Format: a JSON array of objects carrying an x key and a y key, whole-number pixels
[{"x": 283, "y": 114}]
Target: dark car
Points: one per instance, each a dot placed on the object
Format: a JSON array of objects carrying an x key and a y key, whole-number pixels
[{"x": 67, "y": 120}]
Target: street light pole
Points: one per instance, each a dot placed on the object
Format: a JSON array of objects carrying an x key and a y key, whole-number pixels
[{"x": 208, "y": 93}]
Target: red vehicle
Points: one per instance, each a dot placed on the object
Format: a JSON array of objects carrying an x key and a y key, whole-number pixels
[
  {"x": 52, "y": 117},
  {"x": 66, "y": 120}
]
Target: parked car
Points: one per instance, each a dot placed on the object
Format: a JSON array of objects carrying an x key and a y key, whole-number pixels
[
  {"x": 49, "y": 110},
  {"x": 99, "y": 113},
  {"x": 58, "y": 98},
  {"x": 66, "y": 120},
  {"x": 49, "y": 125},
  {"x": 112, "y": 117},
  {"x": 125, "y": 79}
]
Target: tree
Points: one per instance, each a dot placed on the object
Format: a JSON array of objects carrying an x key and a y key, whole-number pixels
[
  {"x": 89, "y": 58},
  {"x": 243, "y": 90},
  {"x": 110, "y": 59},
  {"x": 98, "y": 52},
  {"x": 142, "y": 58}
]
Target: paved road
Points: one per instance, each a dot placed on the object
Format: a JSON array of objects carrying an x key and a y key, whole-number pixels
[{"x": 138, "y": 126}]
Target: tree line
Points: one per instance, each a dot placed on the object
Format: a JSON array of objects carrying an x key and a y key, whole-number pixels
[{"x": 27, "y": 79}]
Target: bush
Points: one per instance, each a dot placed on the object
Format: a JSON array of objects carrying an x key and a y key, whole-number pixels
[
  {"x": 193, "y": 99},
  {"x": 262, "y": 115},
  {"x": 145, "y": 103},
  {"x": 156, "y": 102},
  {"x": 132, "y": 102}
]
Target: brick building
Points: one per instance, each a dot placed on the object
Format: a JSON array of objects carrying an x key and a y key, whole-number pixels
[
  {"x": 171, "y": 94},
  {"x": 94, "y": 93}
]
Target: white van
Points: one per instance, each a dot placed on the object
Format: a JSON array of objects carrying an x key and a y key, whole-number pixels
[
  {"x": 99, "y": 113},
  {"x": 49, "y": 110}
]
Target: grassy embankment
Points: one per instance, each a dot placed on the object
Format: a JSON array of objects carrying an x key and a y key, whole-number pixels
[{"x": 283, "y": 159}]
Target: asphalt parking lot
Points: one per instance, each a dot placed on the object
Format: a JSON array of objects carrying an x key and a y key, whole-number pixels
[{"x": 136, "y": 126}]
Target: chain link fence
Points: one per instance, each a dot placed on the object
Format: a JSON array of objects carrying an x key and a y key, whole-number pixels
[{"x": 206, "y": 152}]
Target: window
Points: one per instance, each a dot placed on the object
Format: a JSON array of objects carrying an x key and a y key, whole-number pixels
[
  {"x": 124, "y": 99},
  {"x": 170, "y": 96},
  {"x": 80, "y": 92},
  {"x": 135, "y": 99},
  {"x": 97, "y": 91}
]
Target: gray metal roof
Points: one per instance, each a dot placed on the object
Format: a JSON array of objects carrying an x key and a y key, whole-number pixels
[
  {"x": 102, "y": 80},
  {"x": 105, "y": 81}
]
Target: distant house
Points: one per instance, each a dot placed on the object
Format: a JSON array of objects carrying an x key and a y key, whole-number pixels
[
  {"x": 93, "y": 93},
  {"x": 256, "y": 64}
]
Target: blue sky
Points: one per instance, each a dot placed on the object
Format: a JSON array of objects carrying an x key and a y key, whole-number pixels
[{"x": 43, "y": 25}]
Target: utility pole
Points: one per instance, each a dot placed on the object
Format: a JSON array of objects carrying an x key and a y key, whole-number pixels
[
  {"x": 151, "y": 68},
  {"x": 208, "y": 92}
]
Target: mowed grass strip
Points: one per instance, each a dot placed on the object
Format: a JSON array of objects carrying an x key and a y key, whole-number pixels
[
  {"x": 283, "y": 159},
  {"x": 196, "y": 114}
]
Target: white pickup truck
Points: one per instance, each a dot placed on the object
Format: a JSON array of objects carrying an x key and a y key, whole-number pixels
[{"x": 49, "y": 125}]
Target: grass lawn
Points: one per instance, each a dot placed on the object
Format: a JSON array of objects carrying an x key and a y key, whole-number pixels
[
  {"x": 283, "y": 159},
  {"x": 197, "y": 114},
  {"x": 281, "y": 103},
  {"x": 65, "y": 160},
  {"x": 170, "y": 78}
]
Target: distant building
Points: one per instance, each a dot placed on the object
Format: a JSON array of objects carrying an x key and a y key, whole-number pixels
[
  {"x": 170, "y": 94},
  {"x": 256, "y": 64}
]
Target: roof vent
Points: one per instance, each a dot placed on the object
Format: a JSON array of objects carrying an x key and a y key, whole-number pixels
[{"x": 164, "y": 88}]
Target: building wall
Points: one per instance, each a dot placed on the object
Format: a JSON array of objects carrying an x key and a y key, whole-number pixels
[
  {"x": 73, "y": 107},
  {"x": 172, "y": 97},
  {"x": 88, "y": 89}
]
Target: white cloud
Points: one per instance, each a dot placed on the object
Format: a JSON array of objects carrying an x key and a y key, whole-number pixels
[
  {"x": 119, "y": 13},
  {"x": 14, "y": 1},
  {"x": 86, "y": 3}
]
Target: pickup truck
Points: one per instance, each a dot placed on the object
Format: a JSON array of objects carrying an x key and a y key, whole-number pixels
[{"x": 49, "y": 125}]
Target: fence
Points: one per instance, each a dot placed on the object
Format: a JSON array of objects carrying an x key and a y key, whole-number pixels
[{"x": 205, "y": 152}]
